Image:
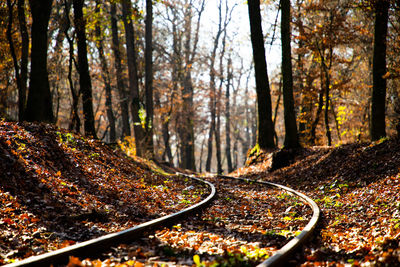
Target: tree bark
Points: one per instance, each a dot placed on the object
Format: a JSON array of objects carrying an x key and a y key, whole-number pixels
[
  {"x": 24, "y": 58},
  {"x": 148, "y": 142},
  {"x": 85, "y": 82},
  {"x": 123, "y": 98},
  {"x": 21, "y": 71},
  {"x": 39, "y": 105},
  {"x": 378, "y": 106},
  {"x": 265, "y": 138},
  {"x": 186, "y": 135},
  {"x": 326, "y": 114},
  {"x": 133, "y": 75},
  {"x": 228, "y": 118},
  {"x": 10, "y": 7},
  {"x": 317, "y": 116},
  {"x": 212, "y": 102},
  {"x": 75, "y": 122},
  {"x": 105, "y": 75},
  {"x": 291, "y": 136}
]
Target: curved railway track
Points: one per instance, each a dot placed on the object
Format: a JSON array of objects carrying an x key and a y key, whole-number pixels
[
  {"x": 283, "y": 254},
  {"x": 93, "y": 246}
]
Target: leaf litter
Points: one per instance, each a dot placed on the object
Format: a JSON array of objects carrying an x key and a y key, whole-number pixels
[{"x": 58, "y": 188}]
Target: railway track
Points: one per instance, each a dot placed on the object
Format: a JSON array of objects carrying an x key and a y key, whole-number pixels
[
  {"x": 92, "y": 247},
  {"x": 283, "y": 255}
]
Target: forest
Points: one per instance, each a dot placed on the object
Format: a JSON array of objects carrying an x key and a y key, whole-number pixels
[
  {"x": 175, "y": 79},
  {"x": 205, "y": 117}
]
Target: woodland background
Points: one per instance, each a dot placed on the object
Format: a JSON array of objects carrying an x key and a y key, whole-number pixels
[{"x": 192, "y": 98}]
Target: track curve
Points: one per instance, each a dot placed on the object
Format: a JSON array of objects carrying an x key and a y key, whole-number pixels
[
  {"x": 95, "y": 245},
  {"x": 283, "y": 254}
]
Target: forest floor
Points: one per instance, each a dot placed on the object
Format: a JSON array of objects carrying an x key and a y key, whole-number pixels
[
  {"x": 357, "y": 187},
  {"x": 58, "y": 188}
]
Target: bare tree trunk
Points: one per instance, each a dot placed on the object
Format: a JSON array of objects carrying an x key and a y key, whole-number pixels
[
  {"x": 317, "y": 116},
  {"x": 336, "y": 120},
  {"x": 39, "y": 105},
  {"x": 105, "y": 75},
  {"x": 326, "y": 115},
  {"x": 148, "y": 142},
  {"x": 75, "y": 122},
  {"x": 326, "y": 78},
  {"x": 167, "y": 154},
  {"x": 123, "y": 98},
  {"x": 278, "y": 101},
  {"x": 186, "y": 132},
  {"x": 265, "y": 127},
  {"x": 291, "y": 137},
  {"x": 85, "y": 83},
  {"x": 228, "y": 117},
  {"x": 222, "y": 24},
  {"x": 133, "y": 75},
  {"x": 210, "y": 134},
  {"x": 247, "y": 138},
  {"x": 10, "y": 7},
  {"x": 24, "y": 58},
  {"x": 218, "y": 142},
  {"x": 378, "y": 107}
]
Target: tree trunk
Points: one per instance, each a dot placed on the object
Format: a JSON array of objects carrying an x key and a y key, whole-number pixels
[
  {"x": 85, "y": 82},
  {"x": 218, "y": 142},
  {"x": 326, "y": 114},
  {"x": 24, "y": 58},
  {"x": 213, "y": 93},
  {"x": 75, "y": 122},
  {"x": 148, "y": 142},
  {"x": 246, "y": 144},
  {"x": 265, "y": 137},
  {"x": 186, "y": 134},
  {"x": 378, "y": 107},
  {"x": 105, "y": 75},
  {"x": 291, "y": 137},
  {"x": 39, "y": 105},
  {"x": 123, "y": 98},
  {"x": 10, "y": 7},
  {"x": 21, "y": 71},
  {"x": 276, "y": 110},
  {"x": 210, "y": 137},
  {"x": 336, "y": 120},
  {"x": 317, "y": 116},
  {"x": 228, "y": 118},
  {"x": 133, "y": 75}
]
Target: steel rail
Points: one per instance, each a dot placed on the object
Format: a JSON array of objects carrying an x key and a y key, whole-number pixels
[
  {"x": 94, "y": 246},
  {"x": 283, "y": 254}
]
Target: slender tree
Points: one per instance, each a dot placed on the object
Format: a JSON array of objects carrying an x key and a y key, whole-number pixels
[
  {"x": 39, "y": 105},
  {"x": 148, "y": 146},
  {"x": 213, "y": 93},
  {"x": 228, "y": 117},
  {"x": 24, "y": 57},
  {"x": 133, "y": 74},
  {"x": 85, "y": 82},
  {"x": 75, "y": 121},
  {"x": 378, "y": 107},
  {"x": 291, "y": 137},
  {"x": 265, "y": 137},
  {"x": 105, "y": 74},
  {"x": 10, "y": 40},
  {"x": 115, "y": 46},
  {"x": 21, "y": 69}
]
